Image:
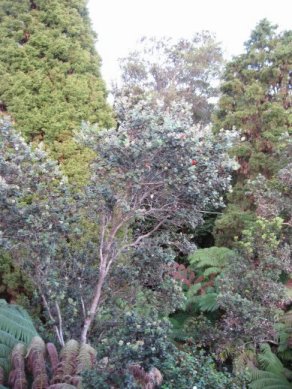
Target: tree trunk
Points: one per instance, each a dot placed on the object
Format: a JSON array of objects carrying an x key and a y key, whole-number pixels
[{"x": 93, "y": 308}]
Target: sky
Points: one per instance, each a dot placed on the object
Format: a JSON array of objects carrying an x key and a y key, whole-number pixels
[{"x": 120, "y": 23}]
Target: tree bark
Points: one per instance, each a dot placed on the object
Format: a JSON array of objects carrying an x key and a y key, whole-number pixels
[{"x": 93, "y": 308}]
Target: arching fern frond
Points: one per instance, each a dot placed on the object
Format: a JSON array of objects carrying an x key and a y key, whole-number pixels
[
  {"x": 208, "y": 302},
  {"x": 15, "y": 321},
  {"x": 269, "y": 361},
  {"x": 68, "y": 361},
  {"x": 216, "y": 257},
  {"x": 274, "y": 375},
  {"x": 15, "y": 326},
  {"x": 284, "y": 330},
  {"x": 267, "y": 380},
  {"x": 86, "y": 358}
]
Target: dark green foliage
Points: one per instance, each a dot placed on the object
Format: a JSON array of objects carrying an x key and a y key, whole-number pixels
[
  {"x": 50, "y": 75},
  {"x": 207, "y": 264},
  {"x": 250, "y": 288},
  {"x": 32, "y": 190},
  {"x": 256, "y": 101},
  {"x": 144, "y": 340},
  {"x": 51, "y": 82},
  {"x": 284, "y": 331},
  {"x": 13, "y": 285}
]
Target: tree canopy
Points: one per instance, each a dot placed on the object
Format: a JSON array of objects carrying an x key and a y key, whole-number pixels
[
  {"x": 183, "y": 70},
  {"x": 50, "y": 75},
  {"x": 256, "y": 100}
]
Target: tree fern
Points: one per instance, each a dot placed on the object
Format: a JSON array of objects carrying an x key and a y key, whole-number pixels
[
  {"x": 208, "y": 302},
  {"x": 37, "y": 363},
  {"x": 15, "y": 326},
  {"x": 68, "y": 360},
  {"x": 17, "y": 377},
  {"x": 86, "y": 358},
  {"x": 284, "y": 330},
  {"x": 40, "y": 365},
  {"x": 213, "y": 257},
  {"x": 267, "y": 380},
  {"x": 269, "y": 361},
  {"x": 274, "y": 375}
]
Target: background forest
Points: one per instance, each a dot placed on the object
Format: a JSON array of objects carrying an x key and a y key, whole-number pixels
[{"x": 145, "y": 244}]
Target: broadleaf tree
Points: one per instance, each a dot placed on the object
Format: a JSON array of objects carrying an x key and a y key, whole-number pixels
[
  {"x": 183, "y": 70},
  {"x": 156, "y": 168}
]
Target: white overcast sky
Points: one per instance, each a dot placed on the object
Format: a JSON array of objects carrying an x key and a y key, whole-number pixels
[{"x": 120, "y": 23}]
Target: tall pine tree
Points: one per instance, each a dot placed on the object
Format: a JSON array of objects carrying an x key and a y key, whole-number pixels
[
  {"x": 256, "y": 99},
  {"x": 50, "y": 75}
]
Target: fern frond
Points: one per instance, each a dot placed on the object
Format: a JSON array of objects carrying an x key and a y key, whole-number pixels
[
  {"x": 15, "y": 326},
  {"x": 36, "y": 363},
  {"x": 86, "y": 358},
  {"x": 210, "y": 257},
  {"x": 245, "y": 359},
  {"x": 53, "y": 355},
  {"x": 212, "y": 270},
  {"x": 17, "y": 378},
  {"x": 208, "y": 302},
  {"x": 68, "y": 361},
  {"x": 269, "y": 361},
  {"x": 267, "y": 380},
  {"x": 69, "y": 355},
  {"x": 193, "y": 290},
  {"x": 16, "y": 322},
  {"x": 5, "y": 349},
  {"x": 284, "y": 330},
  {"x": 285, "y": 355}
]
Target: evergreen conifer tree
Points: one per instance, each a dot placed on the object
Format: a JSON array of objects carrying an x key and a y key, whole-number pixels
[
  {"x": 50, "y": 76},
  {"x": 256, "y": 99}
]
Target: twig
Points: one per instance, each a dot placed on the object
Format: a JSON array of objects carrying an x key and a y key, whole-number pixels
[
  {"x": 60, "y": 323},
  {"x": 83, "y": 307},
  {"x": 53, "y": 320}
]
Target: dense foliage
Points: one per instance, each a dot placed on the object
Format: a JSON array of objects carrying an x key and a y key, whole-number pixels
[
  {"x": 50, "y": 75},
  {"x": 175, "y": 71},
  {"x": 256, "y": 100},
  {"x": 116, "y": 264}
]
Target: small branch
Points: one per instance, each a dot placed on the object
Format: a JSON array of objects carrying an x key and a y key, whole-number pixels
[
  {"x": 141, "y": 237},
  {"x": 53, "y": 320},
  {"x": 60, "y": 323},
  {"x": 214, "y": 213},
  {"x": 83, "y": 308}
]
